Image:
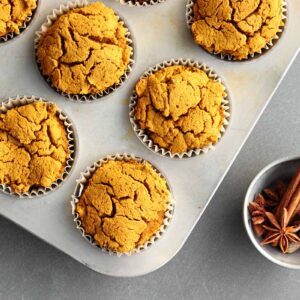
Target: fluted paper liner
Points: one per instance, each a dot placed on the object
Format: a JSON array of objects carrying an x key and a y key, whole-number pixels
[
  {"x": 225, "y": 56},
  {"x": 80, "y": 186},
  {"x": 71, "y": 135},
  {"x": 56, "y": 13},
  {"x": 142, "y": 134},
  {"x": 136, "y": 3},
  {"x": 12, "y": 35}
]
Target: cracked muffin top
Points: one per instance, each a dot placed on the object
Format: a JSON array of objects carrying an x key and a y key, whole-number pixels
[
  {"x": 13, "y": 14},
  {"x": 180, "y": 108},
  {"x": 33, "y": 146},
  {"x": 234, "y": 27},
  {"x": 85, "y": 51},
  {"x": 123, "y": 204}
]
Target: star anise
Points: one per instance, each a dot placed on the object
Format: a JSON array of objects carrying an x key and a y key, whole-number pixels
[
  {"x": 279, "y": 232},
  {"x": 273, "y": 195},
  {"x": 275, "y": 214},
  {"x": 257, "y": 211}
]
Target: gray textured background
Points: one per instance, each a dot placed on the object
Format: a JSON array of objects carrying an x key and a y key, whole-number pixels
[{"x": 217, "y": 262}]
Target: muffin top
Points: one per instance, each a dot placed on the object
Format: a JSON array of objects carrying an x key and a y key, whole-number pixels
[
  {"x": 13, "y": 14},
  {"x": 85, "y": 51},
  {"x": 237, "y": 28},
  {"x": 33, "y": 146},
  {"x": 123, "y": 204},
  {"x": 180, "y": 108}
]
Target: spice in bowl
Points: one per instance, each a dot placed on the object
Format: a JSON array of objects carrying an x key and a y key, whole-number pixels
[{"x": 275, "y": 215}]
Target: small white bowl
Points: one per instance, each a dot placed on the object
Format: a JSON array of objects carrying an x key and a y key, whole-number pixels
[{"x": 281, "y": 169}]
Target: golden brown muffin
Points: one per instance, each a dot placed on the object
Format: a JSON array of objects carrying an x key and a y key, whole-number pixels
[
  {"x": 234, "y": 27},
  {"x": 33, "y": 146},
  {"x": 180, "y": 108},
  {"x": 13, "y": 14},
  {"x": 123, "y": 204},
  {"x": 85, "y": 51}
]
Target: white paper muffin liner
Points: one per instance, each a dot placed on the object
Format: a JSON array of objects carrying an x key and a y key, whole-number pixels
[
  {"x": 142, "y": 134},
  {"x": 63, "y": 9},
  {"x": 12, "y": 35},
  {"x": 225, "y": 56},
  {"x": 80, "y": 186},
  {"x": 71, "y": 135},
  {"x": 136, "y": 3}
]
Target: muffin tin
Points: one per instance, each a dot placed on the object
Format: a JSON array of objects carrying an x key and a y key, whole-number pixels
[{"x": 104, "y": 128}]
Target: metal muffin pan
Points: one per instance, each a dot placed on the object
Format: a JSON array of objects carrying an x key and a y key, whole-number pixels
[{"x": 104, "y": 128}]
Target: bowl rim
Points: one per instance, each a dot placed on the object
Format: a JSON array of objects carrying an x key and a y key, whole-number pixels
[{"x": 247, "y": 225}]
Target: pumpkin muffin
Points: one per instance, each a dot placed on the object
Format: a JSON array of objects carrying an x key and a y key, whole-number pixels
[
  {"x": 85, "y": 50},
  {"x": 123, "y": 204},
  {"x": 33, "y": 146},
  {"x": 13, "y": 14},
  {"x": 236, "y": 28},
  {"x": 180, "y": 108}
]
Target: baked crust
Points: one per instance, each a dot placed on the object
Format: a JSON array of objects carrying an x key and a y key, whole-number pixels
[
  {"x": 33, "y": 146},
  {"x": 123, "y": 204},
  {"x": 13, "y": 14},
  {"x": 180, "y": 108},
  {"x": 85, "y": 51},
  {"x": 234, "y": 27}
]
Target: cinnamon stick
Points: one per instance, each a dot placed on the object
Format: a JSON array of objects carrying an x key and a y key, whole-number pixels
[
  {"x": 294, "y": 205},
  {"x": 288, "y": 195}
]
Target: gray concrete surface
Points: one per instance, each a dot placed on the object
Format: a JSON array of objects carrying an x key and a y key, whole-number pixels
[{"x": 217, "y": 262}]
